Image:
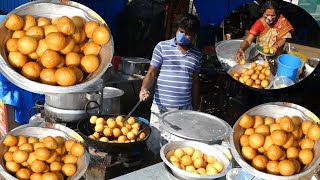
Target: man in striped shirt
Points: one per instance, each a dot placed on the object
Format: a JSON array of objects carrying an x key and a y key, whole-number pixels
[{"x": 174, "y": 69}]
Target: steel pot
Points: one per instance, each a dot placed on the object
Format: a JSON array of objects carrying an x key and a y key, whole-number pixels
[
  {"x": 226, "y": 52},
  {"x": 76, "y": 101},
  {"x": 72, "y": 101},
  {"x": 86, "y": 129},
  {"x": 67, "y": 116},
  {"x": 274, "y": 110},
  {"x": 111, "y": 100},
  {"x": 38, "y": 108},
  {"x": 134, "y": 65},
  {"x": 52, "y": 9}
]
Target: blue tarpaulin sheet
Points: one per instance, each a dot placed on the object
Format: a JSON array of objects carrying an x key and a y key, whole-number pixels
[
  {"x": 107, "y": 9},
  {"x": 21, "y": 99},
  {"x": 212, "y": 12},
  {"x": 9, "y": 5}
]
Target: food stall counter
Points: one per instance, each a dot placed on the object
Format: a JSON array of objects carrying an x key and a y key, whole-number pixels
[{"x": 158, "y": 171}]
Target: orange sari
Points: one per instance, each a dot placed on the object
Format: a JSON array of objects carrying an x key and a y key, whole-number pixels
[{"x": 268, "y": 36}]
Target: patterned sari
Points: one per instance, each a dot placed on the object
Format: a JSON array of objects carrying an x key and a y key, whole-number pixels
[{"x": 268, "y": 36}]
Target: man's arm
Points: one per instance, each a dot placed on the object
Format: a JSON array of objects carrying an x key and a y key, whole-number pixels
[
  {"x": 148, "y": 82},
  {"x": 195, "y": 91},
  {"x": 152, "y": 74}
]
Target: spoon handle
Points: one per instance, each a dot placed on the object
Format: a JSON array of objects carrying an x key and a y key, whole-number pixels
[{"x": 132, "y": 110}]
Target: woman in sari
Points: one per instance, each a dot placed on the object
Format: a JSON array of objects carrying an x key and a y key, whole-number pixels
[{"x": 271, "y": 30}]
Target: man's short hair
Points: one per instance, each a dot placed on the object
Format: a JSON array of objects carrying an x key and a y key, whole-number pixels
[{"x": 190, "y": 23}]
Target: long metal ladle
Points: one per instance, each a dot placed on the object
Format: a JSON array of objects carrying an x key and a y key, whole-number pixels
[{"x": 133, "y": 109}]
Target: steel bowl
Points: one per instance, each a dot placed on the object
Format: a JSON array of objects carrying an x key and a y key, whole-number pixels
[
  {"x": 82, "y": 162},
  {"x": 204, "y": 148},
  {"x": 226, "y": 52},
  {"x": 275, "y": 110},
  {"x": 52, "y": 9},
  {"x": 239, "y": 68}
]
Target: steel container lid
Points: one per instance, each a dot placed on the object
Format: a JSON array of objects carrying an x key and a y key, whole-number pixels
[
  {"x": 194, "y": 125},
  {"x": 227, "y": 49},
  {"x": 51, "y": 9}
]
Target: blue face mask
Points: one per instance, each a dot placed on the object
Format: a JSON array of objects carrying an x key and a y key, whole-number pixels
[{"x": 182, "y": 39}]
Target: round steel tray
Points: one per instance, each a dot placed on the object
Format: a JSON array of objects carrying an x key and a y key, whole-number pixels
[
  {"x": 226, "y": 52},
  {"x": 238, "y": 69},
  {"x": 52, "y": 9}
]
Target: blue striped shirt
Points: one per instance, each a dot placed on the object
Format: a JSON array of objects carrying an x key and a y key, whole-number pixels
[{"x": 174, "y": 83}]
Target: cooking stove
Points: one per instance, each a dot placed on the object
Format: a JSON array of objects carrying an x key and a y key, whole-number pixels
[
  {"x": 104, "y": 165},
  {"x": 110, "y": 165},
  {"x": 107, "y": 166}
]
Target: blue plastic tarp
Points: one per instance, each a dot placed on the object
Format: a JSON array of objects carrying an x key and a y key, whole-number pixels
[
  {"x": 212, "y": 12},
  {"x": 22, "y": 100},
  {"x": 9, "y": 5},
  {"x": 107, "y": 9}
]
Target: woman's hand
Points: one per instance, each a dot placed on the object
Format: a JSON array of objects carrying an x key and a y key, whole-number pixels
[
  {"x": 240, "y": 53},
  {"x": 275, "y": 48},
  {"x": 63, "y": 1}
]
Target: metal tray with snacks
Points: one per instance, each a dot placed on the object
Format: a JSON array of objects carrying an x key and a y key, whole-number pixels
[
  {"x": 51, "y": 9},
  {"x": 27, "y": 130},
  {"x": 274, "y": 110}
]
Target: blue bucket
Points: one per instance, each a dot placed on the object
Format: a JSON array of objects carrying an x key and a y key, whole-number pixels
[
  {"x": 2, "y": 17},
  {"x": 288, "y": 66}
]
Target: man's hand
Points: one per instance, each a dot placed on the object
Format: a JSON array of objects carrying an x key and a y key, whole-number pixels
[
  {"x": 148, "y": 82},
  {"x": 144, "y": 94}
]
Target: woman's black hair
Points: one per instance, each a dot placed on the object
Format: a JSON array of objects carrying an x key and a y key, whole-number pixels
[
  {"x": 270, "y": 4},
  {"x": 190, "y": 23}
]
